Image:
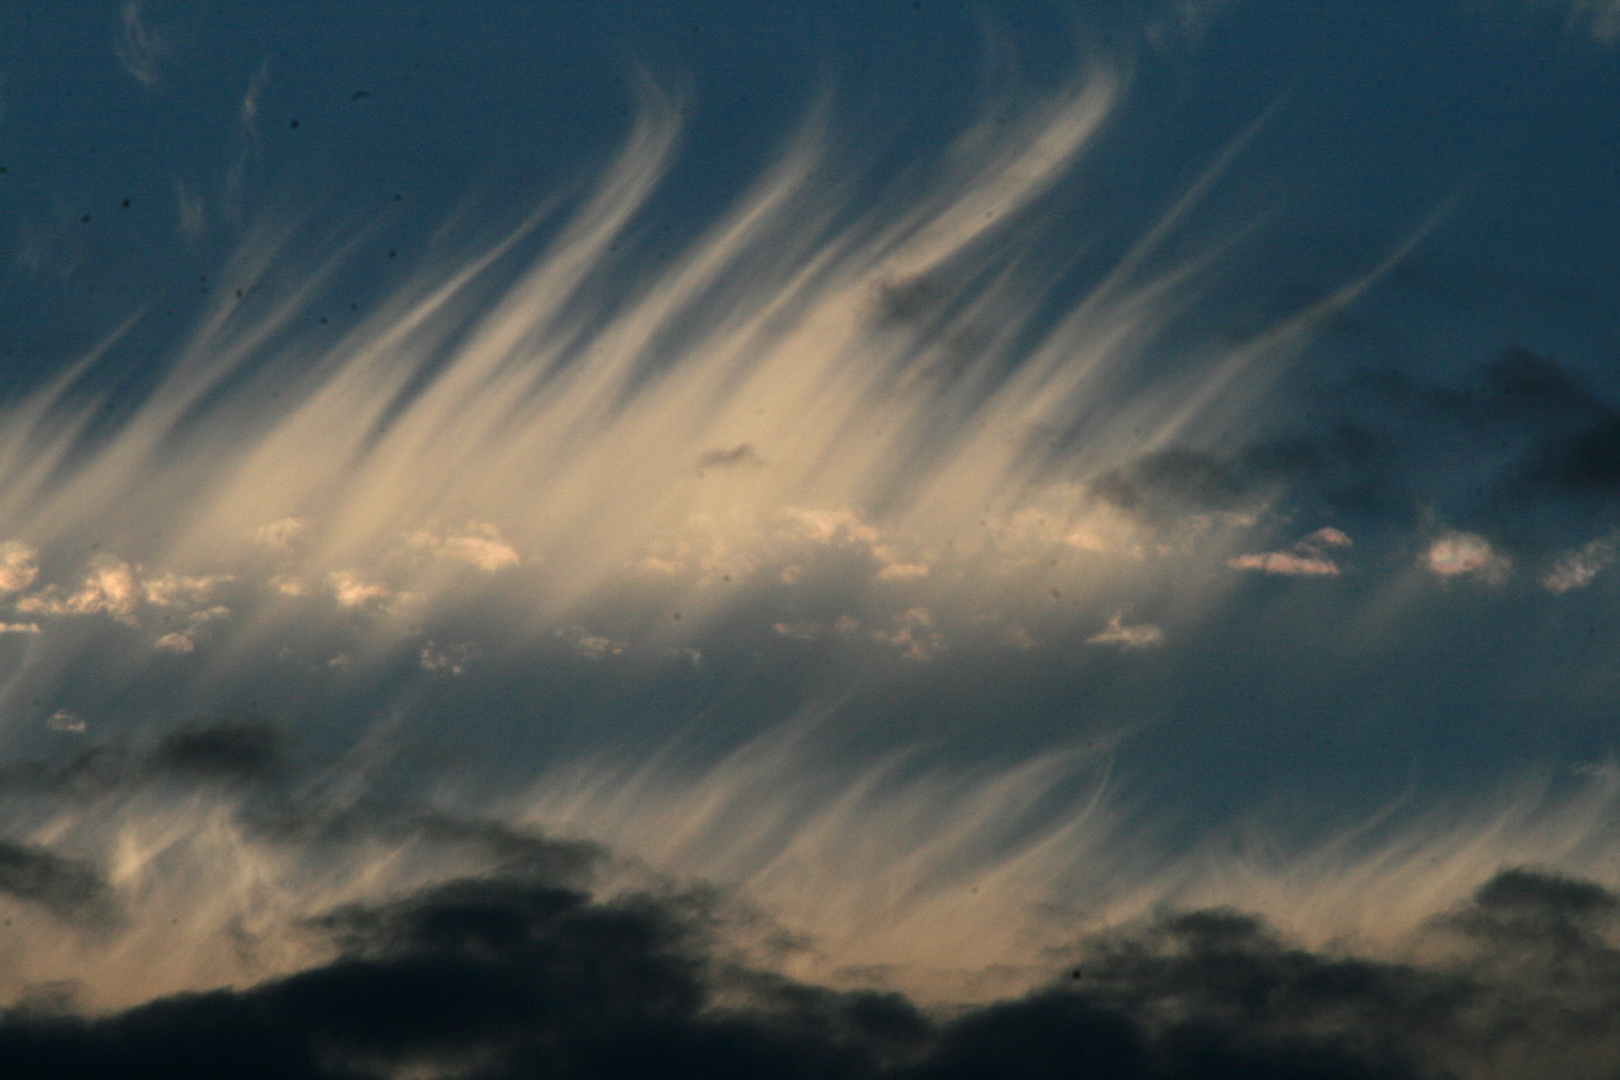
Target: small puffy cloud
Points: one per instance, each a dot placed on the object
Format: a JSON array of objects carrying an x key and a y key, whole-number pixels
[
  {"x": 289, "y": 585},
  {"x": 175, "y": 643},
  {"x": 1461, "y": 554},
  {"x": 111, "y": 588},
  {"x": 914, "y": 636},
  {"x": 900, "y": 571},
  {"x": 62, "y": 720},
  {"x": 591, "y": 646},
  {"x": 1308, "y": 557},
  {"x": 799, "y": 631},
  {"x": 831, "y": 526},
  {"x": 1576, "y": 569},
  {"x": 168, "y": 589},
  {"x": 19, "y": 566},
  {"x": 282, "y": 537},
  {"x": 1117, "y": 634},
  {"x": 1328, "y": 537},
  {"x": 19, "y": 628},
  {"x": 184, "y": 641},
  {"x": 479, "y": 544},
  {"x": 444, "y": 663},
  {"x": 352, "y": 592},
  {"x": 1287, "y": 563}
]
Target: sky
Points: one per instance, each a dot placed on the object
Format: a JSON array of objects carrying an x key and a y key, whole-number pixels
[{"x": 895, "y": 539}]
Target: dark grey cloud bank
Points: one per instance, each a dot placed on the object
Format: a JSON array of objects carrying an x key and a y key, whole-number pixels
[{"x": 520, "y": 971}]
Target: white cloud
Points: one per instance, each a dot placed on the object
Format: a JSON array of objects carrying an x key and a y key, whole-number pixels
[
  {"x": 111, "y": 588},
  {"x": 914, "y": 636},
  {"x": 19, "y": 566},
  {"x": 901, "y": 571},
  {"x": 1460, "y": 554},
  {"x": 176, "y": 643},
  {"x": 1306, "y": 559},
  {"x": 445, "y": 662},
  {"x": 1287, "y": 563},
  {"x": 479, "y": 544},
  {"x": 352, "y": 592},
  {"x": 1325, "y": 538},
  {"x": 592, "y": 646},
  {"x": 184, "y": 641},
  {"x": 19, "y": 628},
  {"x": 1576, "y": 569},
  {"x": 62, "y": 720},
  {"x": 282, "y": 537},
  {"x": 831, "y": 526},
  {"x": 1141, "y": 636},
  {"x": 169, "y": 589}
]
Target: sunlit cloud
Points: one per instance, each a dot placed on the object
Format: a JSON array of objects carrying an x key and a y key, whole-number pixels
[
  {"x": 19, "y": 566},
  {"x": 1286, "y": 563},
  {"x": 1305, "y": 560},
  {"x": 1577, "y": 569},
  {"x": 1116, "y": 633},
  {"x": 479, "y": 545},
  {"x": 1464, "y": 554}
]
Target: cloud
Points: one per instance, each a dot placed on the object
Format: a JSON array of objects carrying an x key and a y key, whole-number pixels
[
  {"x": 1598, "y": 18},
  {"x": 282, "y": 537},
  {"x": 1287, "y": 563},
  {"x": 38, "y": 876},
  {"x": 741, "y": 454},
  {"x": 1306, "y": 560},
  {"x": 19, "y": 566},
  {"x": 480, "y": 544},
  {"x": 352, "y": 591},
  {"x": 1141, "y": 636},
  {"x": 446, "y": 662},
  {"x": 914, "y": 635},
  {"x": 111, "y": 588},
  {"x": 62, "y": 720},
  {"x": 1577, "y": 569},
  {"x": 141, "y": 47},
  {"x": 1462, "y": 554},
  {"x": 591, "y": 646},
  {"x": 240, "y": 750}
]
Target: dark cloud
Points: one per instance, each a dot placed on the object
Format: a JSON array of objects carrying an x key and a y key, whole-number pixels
[
  {"x": 1519, "y": 449},
  {"x": 34, "y": 874},
  {"x": 233, "y": 750},
  {"x": 520, "y": 970},
  {"x": 511, "y": 975},
  {"x": 1171, "y": 480},
  {"x": 741, "y": 454}
]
